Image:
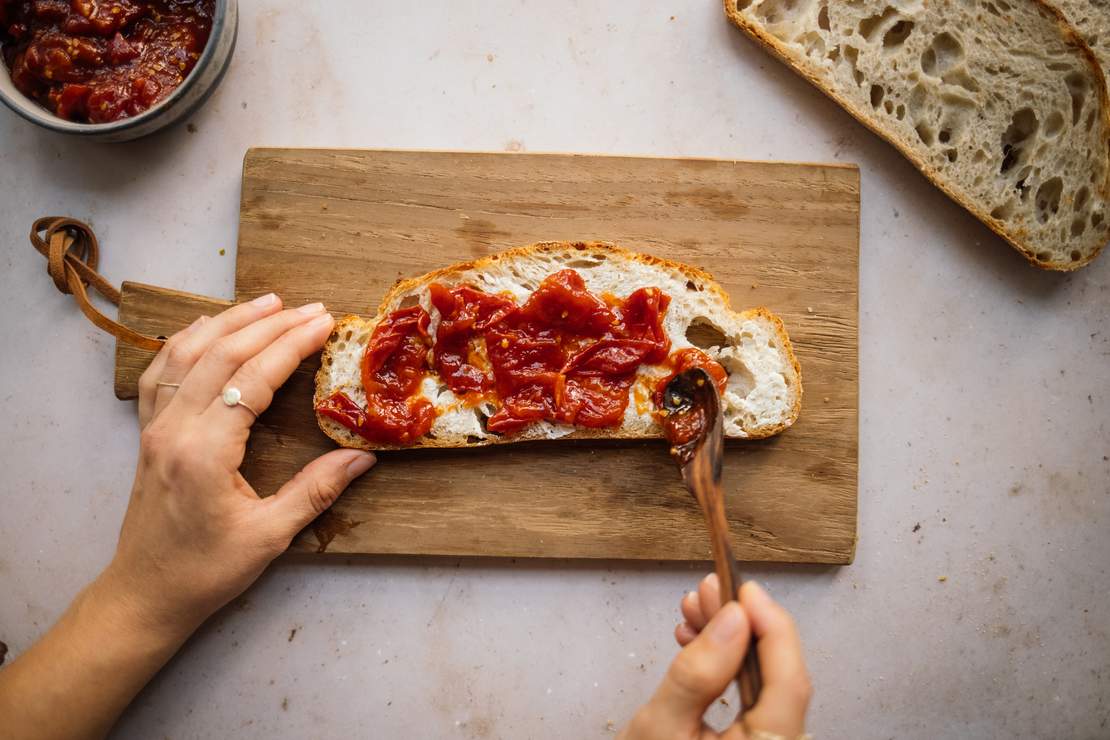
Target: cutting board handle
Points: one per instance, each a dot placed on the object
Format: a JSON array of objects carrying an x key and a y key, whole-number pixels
[{"x": 72, "y": 255}]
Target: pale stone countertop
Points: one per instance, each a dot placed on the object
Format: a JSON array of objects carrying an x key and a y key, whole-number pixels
[{"x": 983, "y": 396}]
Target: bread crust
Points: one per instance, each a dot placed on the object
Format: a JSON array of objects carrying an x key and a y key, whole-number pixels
[
  {"x": 1014, "y": 238},
  {"x": 407, "y": 286}
]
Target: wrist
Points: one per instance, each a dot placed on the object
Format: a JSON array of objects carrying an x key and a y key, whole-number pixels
[
  {"x": 134, "y": 612},
  {"x": 77, "y": 679}
]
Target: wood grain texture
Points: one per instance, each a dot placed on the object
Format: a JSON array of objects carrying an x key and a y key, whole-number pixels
[{"x": 342, "y": 226}]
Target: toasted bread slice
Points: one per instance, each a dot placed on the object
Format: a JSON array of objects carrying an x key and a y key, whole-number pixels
[
  {"x": 998, "y": 102},
  {"x": 762, "y": 398}
]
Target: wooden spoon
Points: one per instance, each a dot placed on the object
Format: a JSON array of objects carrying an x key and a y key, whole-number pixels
[{"x": 692, "y": 424}]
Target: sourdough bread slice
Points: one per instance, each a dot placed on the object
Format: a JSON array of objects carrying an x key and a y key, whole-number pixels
[
  {"x": 1092, "y": 19},
  {"x": 764, "y": 391},
  {"x": 998, "y": 102}
]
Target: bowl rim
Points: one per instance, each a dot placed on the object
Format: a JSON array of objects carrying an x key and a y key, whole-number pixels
[{"x": 37, "y": 114}]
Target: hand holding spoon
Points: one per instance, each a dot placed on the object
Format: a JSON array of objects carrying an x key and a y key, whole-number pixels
[{"x": 692, "y": 424}]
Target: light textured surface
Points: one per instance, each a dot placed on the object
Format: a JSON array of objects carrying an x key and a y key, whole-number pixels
[{"x": 984, "y": 386}]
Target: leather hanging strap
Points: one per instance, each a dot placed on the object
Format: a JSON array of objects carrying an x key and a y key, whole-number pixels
[{"x": 72, "y": 255}]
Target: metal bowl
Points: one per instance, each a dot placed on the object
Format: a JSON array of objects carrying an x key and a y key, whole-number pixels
[{"x": 186, "y": 97}]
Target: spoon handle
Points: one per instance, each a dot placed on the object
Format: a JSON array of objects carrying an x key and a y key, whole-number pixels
[{"x": 749, "y": 679}]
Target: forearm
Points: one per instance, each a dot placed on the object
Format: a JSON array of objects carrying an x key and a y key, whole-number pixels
[{"x": 76, "y": 680}]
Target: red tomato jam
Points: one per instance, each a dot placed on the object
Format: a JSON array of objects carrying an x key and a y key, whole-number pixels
[
  {"x": 394, "y": 366},
  {"x": 564, "y": 356},
  {"x": 95, "y": 61},
  {"x": 686, "y": 359},
  {"x": 682, "y": 428}
]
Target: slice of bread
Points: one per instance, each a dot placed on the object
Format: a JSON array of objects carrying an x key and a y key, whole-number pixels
[
  {"x": 762, "y": 398},
  {"x": 1092, "y": 19},
  {"x": 998, "y": 102}
]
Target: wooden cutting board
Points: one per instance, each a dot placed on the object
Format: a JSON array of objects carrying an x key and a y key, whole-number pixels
[{"x": 341, "y": 226}]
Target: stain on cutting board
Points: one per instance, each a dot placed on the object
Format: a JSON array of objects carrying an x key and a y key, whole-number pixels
[{"x": 328, "y": 525}]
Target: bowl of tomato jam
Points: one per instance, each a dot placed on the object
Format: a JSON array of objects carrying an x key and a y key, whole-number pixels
[{"x": 113, "y": 70}]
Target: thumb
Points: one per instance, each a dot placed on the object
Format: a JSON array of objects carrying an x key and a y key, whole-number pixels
[
  {"x": 781, "y": 708},
  {"x": 702, "y": 670},
  {"x": 316, "y": 487}
]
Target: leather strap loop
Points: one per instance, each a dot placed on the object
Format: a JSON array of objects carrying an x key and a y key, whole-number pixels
[{"x": 72, "y": 256}]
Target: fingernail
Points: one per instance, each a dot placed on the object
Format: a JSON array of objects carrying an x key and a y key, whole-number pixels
[
  {"x": 711, "y": 580},
  {"x": 264, "y": 300},
  {"x": 194, "y": 325},
  {"x": 324, "y": 320},
  {"x": 311, "y": 308},
  {"x": 360, "y": 465},
  {"x": 725, "y": 626}
]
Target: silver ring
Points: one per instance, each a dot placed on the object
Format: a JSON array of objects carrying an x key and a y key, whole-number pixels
[
  {"x": 233, "y": 397},
  {"x": 163, "y": 384}
]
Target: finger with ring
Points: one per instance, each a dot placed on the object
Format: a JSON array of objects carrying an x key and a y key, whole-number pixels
[
  {"x": 253, "y": 385},
  {"x": 228, "y": 355},
  {"x": 233, "y": 397},
  {"x": 149, "y": 385}
]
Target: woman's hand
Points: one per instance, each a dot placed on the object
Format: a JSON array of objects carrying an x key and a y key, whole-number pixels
[
  {"x": 714, "y": 641},
  {"x": 196, "y": 534}
]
